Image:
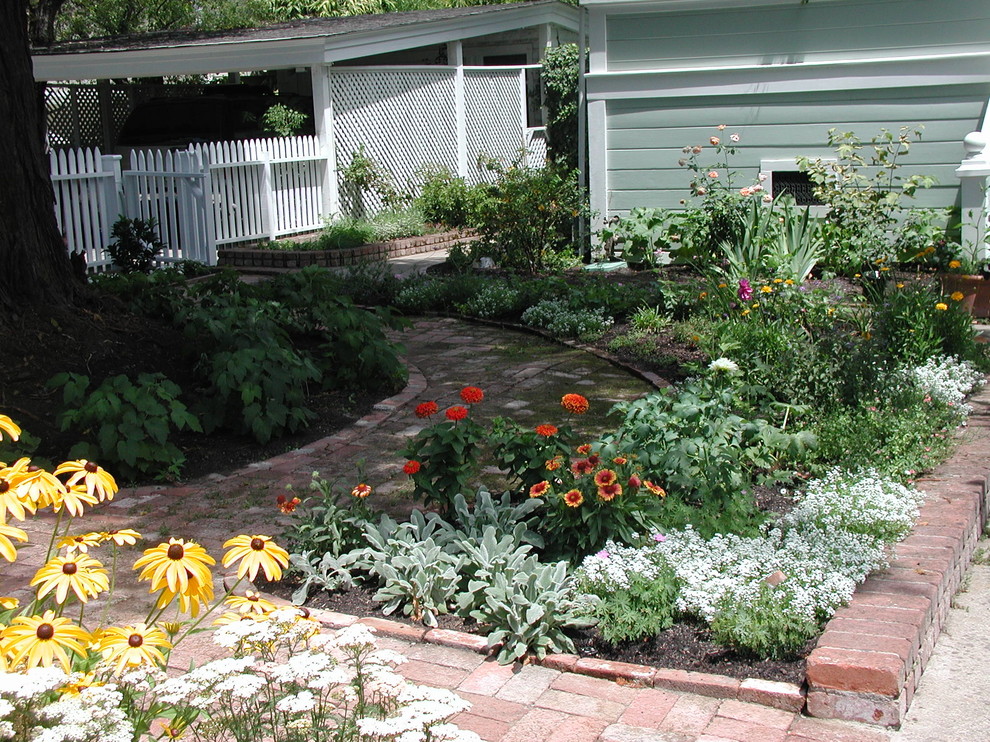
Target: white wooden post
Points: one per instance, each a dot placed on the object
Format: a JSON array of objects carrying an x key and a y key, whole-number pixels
[
  {"x": 973, "y": 173},
  {"x": 323, "y": 120},
  {"x": 455, "y": 56},
  {"x": 267, "y": 193},
  {"x": 523, "y": 115},
  {"x": 111, "y": 195}
]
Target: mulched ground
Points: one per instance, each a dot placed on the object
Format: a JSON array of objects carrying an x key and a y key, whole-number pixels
[{"x": 684, "y": 646}]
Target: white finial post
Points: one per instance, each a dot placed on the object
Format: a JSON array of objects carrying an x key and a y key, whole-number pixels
[{"x": 972, "y": 173}]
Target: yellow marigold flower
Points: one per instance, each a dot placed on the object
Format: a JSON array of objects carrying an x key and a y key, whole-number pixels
[
  {"x": 766, "y": 289},
  {"x": 83, "y": 574},
  {"x": 122, "y": 537},
  {"x": 745, "y": 312},
  {"x": 99, "y": 483},
  {"x": 941, "y": 306},
  {"x": 955, "y": 264},
  {"x": 778, "y": 280},
  {"x": 7, "y": 550},
  {"x": 81, "y": 542},
  {"x": 41, "y": 640},
  {"x": 789, "y": 282},
  {"x": 174, "y": 565},
  {"x": 36, "y": 484},
  {"x": 723, "y": 285},
  {"x": 756, "y": 304},
  {"x": 9, "y": 427},
  {"x": 885, "y": 268},
  {"x": 957, "y": 296},
  {"x": 253, "y": 552},
  {"x": 250, "y": 602},
  {"x": 132, "y": 646}
]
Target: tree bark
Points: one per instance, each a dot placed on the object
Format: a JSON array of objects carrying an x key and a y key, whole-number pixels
[{"x": 34, "y": 263}]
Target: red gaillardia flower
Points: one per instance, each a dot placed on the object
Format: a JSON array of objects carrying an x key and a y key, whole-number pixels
[
  {"x": 619, "y": 460},
  {"x": 286, "y": 505},
  {"x": 609, "y": 491},
  {"x": 574, "y": 403},
  {"x": 604, "y": 477},
  {"x": 456, "y": 413},
  {"x": 655, "y": 488},
  {"x": 594, "y": 459},
  {"x": 472, "y": 394},
  {"x": 634, "y": 482},
  {"x": 573, "y": 498},
  {"x": 546, "y": 430},
  {"x": 555, "y": 463},
  {"x": 584, "y": 449},
  {"x": 427, "y": 409},
  {"x": 539, "y": 489},
  {"x": 582, "y": 466},
  {"x": 362, "y": 490},
  {"x": 411, "y": 467}
]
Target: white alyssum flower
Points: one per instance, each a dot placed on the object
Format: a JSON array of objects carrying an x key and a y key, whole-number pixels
[{"x": 946, "y": 379}]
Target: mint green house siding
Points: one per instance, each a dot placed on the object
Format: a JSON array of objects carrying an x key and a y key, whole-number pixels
[
  {"x": 664, "y": 73},
  {"x": 646, "y": 137}
]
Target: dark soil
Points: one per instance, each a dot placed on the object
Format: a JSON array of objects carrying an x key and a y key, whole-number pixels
[
  {"x": 684, "y": 646},
  {"x": 100, "y": 339}
]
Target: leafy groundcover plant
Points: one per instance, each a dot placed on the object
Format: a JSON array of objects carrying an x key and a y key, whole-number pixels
[{"x": 68, "y": 679}]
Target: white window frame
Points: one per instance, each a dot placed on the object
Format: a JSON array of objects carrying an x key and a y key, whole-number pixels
[{"x": 789, "y": 165}]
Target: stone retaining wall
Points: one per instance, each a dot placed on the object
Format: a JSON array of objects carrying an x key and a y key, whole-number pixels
[
  {"x": 870, "y": 658},
  {"x": 250, "y": 258}
]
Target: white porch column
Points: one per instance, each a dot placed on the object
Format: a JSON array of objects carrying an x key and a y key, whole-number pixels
[
  {"x": 973, "y": 173},
  {"x": 455, "y": 58},
  {"x": 323, "y": 120},
  {"x": 597, "y": 164}
]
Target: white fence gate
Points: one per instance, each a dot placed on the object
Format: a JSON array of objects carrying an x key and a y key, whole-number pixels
[{"x": 207, "y": 195}]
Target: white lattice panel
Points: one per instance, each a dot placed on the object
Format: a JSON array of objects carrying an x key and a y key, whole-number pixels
[
  {"x": 73, "y": 115},
  {"x": 494, "y": 112},
  {"x": 404, "y": 118}
]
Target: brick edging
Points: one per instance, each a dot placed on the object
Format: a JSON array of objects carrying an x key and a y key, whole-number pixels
[
  {"x": 870, "y": 658},
  {"x": 249, "y": 258}
]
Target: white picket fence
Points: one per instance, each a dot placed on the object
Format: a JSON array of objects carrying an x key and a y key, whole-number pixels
[{"x": 207, "y": 195}]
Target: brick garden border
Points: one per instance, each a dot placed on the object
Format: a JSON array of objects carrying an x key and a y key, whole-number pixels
[
  {"x": 254, "y": 258},
  {"x": 871, "y": 655}
]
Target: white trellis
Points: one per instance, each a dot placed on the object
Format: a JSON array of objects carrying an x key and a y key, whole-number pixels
[{"x": 409, "y": 118}]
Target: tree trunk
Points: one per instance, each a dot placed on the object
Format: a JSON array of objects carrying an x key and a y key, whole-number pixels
[{"x": 34, "y": 263}]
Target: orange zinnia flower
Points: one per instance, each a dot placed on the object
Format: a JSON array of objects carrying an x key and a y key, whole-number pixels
[
  {"x": 411, "y": 467},
  {"x": 539, "y": 489},
  {"x": 546, "y": 430},
  {"x": 472, "y": 394},
  {"x": 573, "y": 498},
  {"x": 427, "y": 409},
  {"x": 574, "y": 403},
  {"x": 455, "y": 413}
]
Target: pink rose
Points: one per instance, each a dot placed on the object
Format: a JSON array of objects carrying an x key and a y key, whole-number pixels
[
  {"x": 713, "y": 174},
  {"x": 734, "y": 137},
  {"x": 715, "y": 141}
]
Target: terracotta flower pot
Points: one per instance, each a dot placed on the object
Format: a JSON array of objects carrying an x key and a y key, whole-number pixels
[{"x": 969, "y": 286}]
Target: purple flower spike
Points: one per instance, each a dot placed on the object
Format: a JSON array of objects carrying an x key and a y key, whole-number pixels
[{"x": 745, "y": 290}]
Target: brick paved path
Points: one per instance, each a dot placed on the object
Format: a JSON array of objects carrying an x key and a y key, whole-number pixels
[{"x": 519, "y": 373}]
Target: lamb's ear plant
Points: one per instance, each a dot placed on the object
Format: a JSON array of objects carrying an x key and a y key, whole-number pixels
[
  {"x": 529, "y": 610},
  {"x": 422, "y": 582},
  {"x": 503, "y": 515}
]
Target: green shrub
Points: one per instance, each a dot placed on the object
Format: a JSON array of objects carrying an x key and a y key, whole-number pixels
[
  {"x": 528, "y": 219},
  {"x": 283, "y": 120},
  {"x": 136, "y": 245},
  {"x": 126, "y": 426},
  {"x": 561, "y": 72},
  {"x": 447, "y": 199},
  {"x": 344, "y": 232}
]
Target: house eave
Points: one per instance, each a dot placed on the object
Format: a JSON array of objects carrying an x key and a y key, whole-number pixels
[{"x": 301, "y": 50}]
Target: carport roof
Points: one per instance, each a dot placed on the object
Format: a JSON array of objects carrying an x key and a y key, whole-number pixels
[{"x": 294, "y": 44}]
